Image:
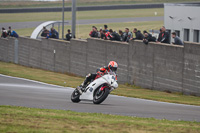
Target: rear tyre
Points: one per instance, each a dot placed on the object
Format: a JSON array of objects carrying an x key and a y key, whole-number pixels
[
  {"x": 75, "y": 97},
  {"x": 100, "y": 96}
]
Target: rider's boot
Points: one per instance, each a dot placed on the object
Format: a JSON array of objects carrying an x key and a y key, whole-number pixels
[{"x": 81, "y": 88}]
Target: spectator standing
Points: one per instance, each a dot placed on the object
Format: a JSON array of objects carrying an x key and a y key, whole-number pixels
[
  {"x": 114, "y": 36},
  {"x": 98, "y": 33},
  {"x": 121, "y": 34},
  {"x": 14, "y": 34},
  {"x": 148, "y": 36},
  {"x": 45, "y": 32},
  {"x": 154, "y": 35},
  {"x": 138, "y": 35},
  {"x": 68, "y": 35},
  {"x": 91, "y": 31},
  {"x": 94, "y": 32},
  {"x": 53, "y": 34},
  {"x": 4, "y": 33},
  {"x": 106, "y": 28},
  {"x": 127, "y": 35},
  {"x": 164, "y": 36},
  {"x": 107, "y": 35},
  {"x": 9, "y": 31},
  {"x": 177, "y": 40},
  {"x": 102, "y": 34},
  {"x": 160, "y": 36}
]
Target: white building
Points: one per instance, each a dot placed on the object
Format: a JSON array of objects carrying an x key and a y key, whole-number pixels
[{"x": 184, "y": 19}]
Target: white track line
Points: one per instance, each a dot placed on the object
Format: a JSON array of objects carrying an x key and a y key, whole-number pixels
[{"x": 35, "y": 81}]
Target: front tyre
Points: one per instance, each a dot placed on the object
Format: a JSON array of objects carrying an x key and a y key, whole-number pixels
[
  {"x": 100, "y": 96},
  {"x": 75, "y": 97}
]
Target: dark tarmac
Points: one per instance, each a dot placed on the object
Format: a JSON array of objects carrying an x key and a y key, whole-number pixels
[{"x": 28, "y": 93}]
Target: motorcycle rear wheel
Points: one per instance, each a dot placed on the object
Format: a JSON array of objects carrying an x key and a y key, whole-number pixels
[
  {"x": 75, "y": 97},
  {"x": 99, "y": 97}
]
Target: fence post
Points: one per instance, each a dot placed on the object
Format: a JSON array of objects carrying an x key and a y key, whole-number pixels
[{"x": 16, "y": 51}]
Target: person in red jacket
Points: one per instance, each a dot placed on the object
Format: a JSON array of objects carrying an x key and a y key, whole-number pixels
[
  {"x": 94, "y": 32},
  {"x": 112, "y": 66}
]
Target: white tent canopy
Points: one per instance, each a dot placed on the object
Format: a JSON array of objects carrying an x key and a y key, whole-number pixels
[{"x": 38, "y": 30}]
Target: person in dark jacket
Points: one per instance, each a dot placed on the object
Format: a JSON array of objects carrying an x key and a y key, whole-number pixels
[
  {"x": 121, "y": 34},
  {"x": 103, "y": 34},
  {"x": 164, "y": 36},
  {"x": 12, "y": 33},
  {"x": 106, "y": 28},
  {"x": 53, "y": 34},
  {"x": 177, "y": 40},
  {"x": 148, "y": 37},
  {"x": 45, "y": 32},
  {"x": 94, "y": 32},
  {"x": 159, "y": 36},
  {"x": 9, "y": 31},
  {"x": 68, "y": 35},
  {"x": 138, "y": 35},
  {"x": 114, "y": 36}
]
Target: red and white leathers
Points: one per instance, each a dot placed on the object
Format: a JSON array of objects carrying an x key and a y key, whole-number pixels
[{"x": 112, "y": 66}]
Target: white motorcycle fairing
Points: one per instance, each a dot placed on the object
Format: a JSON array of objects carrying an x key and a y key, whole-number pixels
[{"x": 90, "y": 89}]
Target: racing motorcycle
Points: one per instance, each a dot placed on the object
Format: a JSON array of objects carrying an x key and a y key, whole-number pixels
[{"x": 98, "y": 90}]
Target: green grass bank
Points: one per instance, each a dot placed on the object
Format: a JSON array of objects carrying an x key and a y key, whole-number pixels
[{"x": 21, "y": 119}]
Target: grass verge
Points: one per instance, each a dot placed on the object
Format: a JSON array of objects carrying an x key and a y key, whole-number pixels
[
  {"x": 73, "y": 81},
  {"x": 22, "y": 119}
]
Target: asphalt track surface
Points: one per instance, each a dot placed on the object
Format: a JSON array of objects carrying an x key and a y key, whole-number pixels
[
  {"x": 82, "y": 8},
  {"x": 22, "y": 25},
  {"x": 28, "y": 93}
]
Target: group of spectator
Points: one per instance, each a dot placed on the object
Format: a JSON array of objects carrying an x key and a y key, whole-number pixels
[
  {"x": 54, "y": 34},
  {"x": 127, "y": 35},
  {"x": 106, "y": 34},
  {"x": 8, "y": 33},
  {"x": 50, "y": 34},
  {"x": 164, "y": 37},
  {"x": 110, "y": 34}
]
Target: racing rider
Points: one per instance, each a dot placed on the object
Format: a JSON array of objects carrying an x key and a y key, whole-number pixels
[{"x": 112, "y": 66}]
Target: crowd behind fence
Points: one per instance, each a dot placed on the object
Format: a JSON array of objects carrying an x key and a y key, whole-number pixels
[
  {"x": 127, "y": 35},
  {"x": 109, "y": 34}
]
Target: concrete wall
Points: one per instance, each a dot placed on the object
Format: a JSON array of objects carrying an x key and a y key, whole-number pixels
[
  {"x": 168, "y": 67},
  {"x": 141, "y": 64},
  {"x": 155, "y": 66},
  {"x": 4, "y": 50},
  {"x": 78, "y": 57},
  {"x": 191, "y": 72}
]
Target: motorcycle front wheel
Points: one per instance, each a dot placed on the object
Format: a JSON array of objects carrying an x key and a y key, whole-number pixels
[
  {"x": 75, "y": 97},
  {"x": 100, "y": 96}
]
